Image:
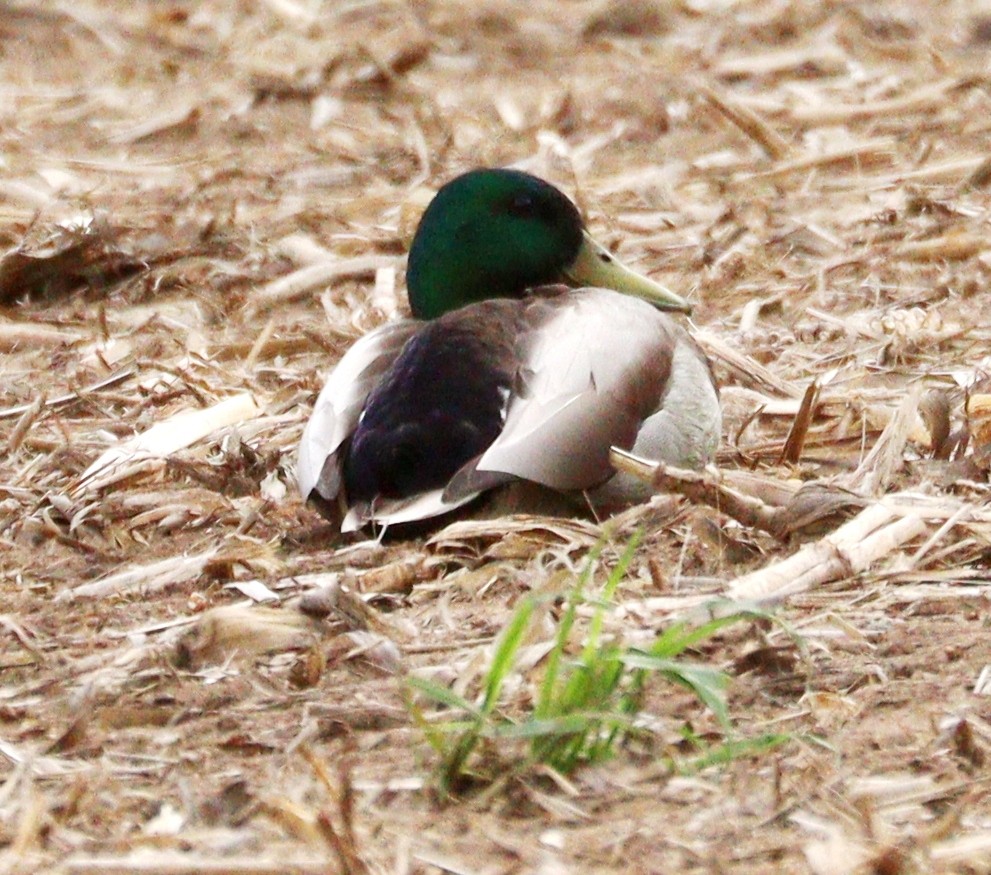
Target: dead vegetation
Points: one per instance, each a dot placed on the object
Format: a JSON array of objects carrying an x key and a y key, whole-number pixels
[{"x": 204, "y": 204}]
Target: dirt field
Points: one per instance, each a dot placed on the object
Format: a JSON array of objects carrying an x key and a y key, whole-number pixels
[{"x": 203, "y": 204}]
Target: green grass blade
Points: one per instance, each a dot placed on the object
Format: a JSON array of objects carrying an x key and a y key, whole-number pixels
[
  {"x": 504, "y": 657},
  {"x": 552, "y": 675},
  {"x": 730, "y": 751},
  {"x": 608, "y": 594},
  {"x": 442, "y": 695},
  {"x": 708, "y": 684}
]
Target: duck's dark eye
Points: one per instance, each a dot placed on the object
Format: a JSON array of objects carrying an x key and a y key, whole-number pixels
[{"x": 522, "y": 205}]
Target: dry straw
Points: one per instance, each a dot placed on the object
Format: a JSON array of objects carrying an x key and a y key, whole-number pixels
[{"x": 202, "y": 206}]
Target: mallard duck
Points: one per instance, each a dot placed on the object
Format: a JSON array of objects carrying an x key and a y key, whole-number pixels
[{"x": 520, "y": 363}]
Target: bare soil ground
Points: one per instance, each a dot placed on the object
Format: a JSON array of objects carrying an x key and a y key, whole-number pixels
[{"x": 203, "y": 204}]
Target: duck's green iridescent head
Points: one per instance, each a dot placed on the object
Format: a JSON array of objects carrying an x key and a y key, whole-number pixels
[{"x": 494, "y": 233}]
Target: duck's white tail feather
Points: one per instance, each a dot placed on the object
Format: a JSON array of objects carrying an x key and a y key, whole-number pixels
[{"x": 394, "y": 511}]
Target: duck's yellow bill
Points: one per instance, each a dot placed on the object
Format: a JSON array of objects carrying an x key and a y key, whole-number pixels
[{"x": 597, "y": 266}]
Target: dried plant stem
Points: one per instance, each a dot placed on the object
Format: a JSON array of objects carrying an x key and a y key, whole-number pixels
[
  {"x": 748, "y": 121},
  {"x": 312, "y": 277},
  {"x": 873, "y": 534}
]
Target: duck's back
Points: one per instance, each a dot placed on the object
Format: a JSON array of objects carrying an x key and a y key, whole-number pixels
[{"x": 441, "y": 404}]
